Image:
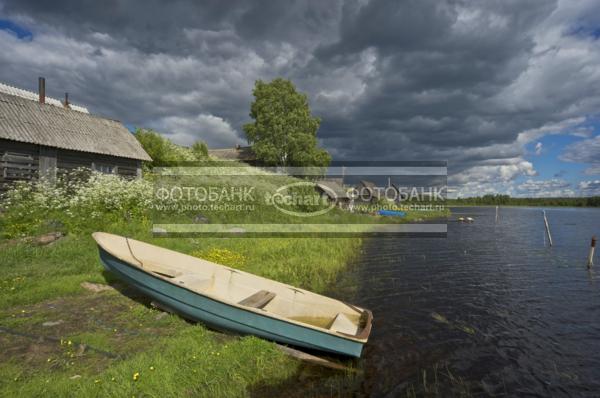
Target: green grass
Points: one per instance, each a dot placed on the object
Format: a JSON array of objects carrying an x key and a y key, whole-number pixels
[
  {"x": 34, "y": 279},
  {"x": 189, "y": 363},
  {"x": 121, "y": 335}
]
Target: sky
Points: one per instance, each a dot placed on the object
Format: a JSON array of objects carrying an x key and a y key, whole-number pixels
[{"x": 507, "y": 91}]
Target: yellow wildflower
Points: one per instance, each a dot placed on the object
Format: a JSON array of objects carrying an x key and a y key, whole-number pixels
[{"x": 136, "y": 376}]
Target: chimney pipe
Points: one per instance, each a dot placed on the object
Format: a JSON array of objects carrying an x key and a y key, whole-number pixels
[
  {"x": 66, "y": 100},
  {"x": 42, "y": 89}
]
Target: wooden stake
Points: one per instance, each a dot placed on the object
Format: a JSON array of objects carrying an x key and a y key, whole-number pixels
[
  {"x": 496, "y": 214},
  {"x": 590, "y": 261},
  {"x": 547, "y": 228}
]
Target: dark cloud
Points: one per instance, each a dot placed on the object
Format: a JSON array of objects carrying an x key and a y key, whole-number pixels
[{"x": 470, "y": 82}]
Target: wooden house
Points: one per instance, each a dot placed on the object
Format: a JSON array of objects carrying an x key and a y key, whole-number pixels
[
  {"x": 40, "y": 136},
  {"x": 238, "y": 153},
  {"x": 334, "y": 191},
  {"x": 368, "y": 191}
]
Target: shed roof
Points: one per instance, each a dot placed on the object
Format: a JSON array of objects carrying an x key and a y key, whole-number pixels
[
  {"x": 26, "y": 120},
  {"x": 333, "y": 189},
  {"x": 369, "y": 185},
  {"x": 242, "y": 153}
]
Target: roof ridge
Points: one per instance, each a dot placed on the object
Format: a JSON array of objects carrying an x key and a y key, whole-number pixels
[
  {"x": 30, "y": 95},
  {"x": 28, "y": 121}
]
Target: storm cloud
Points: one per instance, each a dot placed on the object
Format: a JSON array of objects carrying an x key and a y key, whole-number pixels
[{"x": 470, "y": 82}]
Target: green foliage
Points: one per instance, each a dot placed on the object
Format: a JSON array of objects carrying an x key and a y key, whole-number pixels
[
  {"x": 162, "y": 151},
  {"x": 184, "y": 359},
  {"x": 78, "y": 201},
  {"x": 284, "y": 132},
  {"x": 200, "y": 150},
  {"x": 506, "y": 200}
]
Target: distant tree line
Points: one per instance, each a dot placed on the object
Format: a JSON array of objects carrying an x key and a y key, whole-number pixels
[{"x": 506, "y": 200}]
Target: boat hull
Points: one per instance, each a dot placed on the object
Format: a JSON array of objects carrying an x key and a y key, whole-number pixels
[{"x": 222, "y": 316}]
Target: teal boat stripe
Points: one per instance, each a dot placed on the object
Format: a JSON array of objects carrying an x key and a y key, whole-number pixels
[{"x": 260, "y": 331}]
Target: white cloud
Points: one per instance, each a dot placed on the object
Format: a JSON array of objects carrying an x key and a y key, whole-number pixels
[
  {"x": 491, "y": 178},
  {"x": 545, "y": 188},
  {"x": 212, "y": 129},
  {"x": 180, "y": 94},
  {"x": 590, "y": 188},
  {"x": 584, "y": 151},
  {"x": 477, "y": 86}
]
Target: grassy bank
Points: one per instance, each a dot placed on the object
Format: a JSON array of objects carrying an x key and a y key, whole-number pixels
[
  {"x": 171, "y": 356},
  {"x": 63, "y": 340}
]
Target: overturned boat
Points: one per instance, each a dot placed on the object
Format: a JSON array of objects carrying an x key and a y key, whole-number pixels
[{"x": 230, "y": 299}]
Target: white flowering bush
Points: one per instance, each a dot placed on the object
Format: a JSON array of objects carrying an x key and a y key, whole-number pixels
[{"x": 77, "y": 201}]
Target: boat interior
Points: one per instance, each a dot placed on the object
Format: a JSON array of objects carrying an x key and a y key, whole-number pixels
[{"x": 240, "y": 288}]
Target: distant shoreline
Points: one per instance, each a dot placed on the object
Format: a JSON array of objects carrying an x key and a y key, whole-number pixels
[
  {"x": 523, "y": 205},
  {"x": 505, "y": 200}
]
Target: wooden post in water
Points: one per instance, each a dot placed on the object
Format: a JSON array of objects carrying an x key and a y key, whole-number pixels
[
  {"x": 496, "y": 214},
  {"x": 591, "y": 255},
  {"x": 547, "y": 228}
]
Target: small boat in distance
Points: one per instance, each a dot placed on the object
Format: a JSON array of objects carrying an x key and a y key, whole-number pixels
[
  {"x": 392, "y": 213},
  {"x": 227, "y": 298}
]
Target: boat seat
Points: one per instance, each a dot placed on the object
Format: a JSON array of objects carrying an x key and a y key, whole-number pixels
[
  {"x": 341, "y": 323},
  {"x": 258, "y": 299},
  {"x": 194, "y": 282}
]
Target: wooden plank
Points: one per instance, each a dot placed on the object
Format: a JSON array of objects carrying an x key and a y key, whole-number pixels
[
  {"x": 47, "y": 163},
  {"x": 20, "y": 166},
  {"x": 258, "y": 299},
  {"x": 313, "y": 359},
  {"x": 341, "y": 323}
]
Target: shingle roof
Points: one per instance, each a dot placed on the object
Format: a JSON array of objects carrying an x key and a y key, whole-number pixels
[
  {"x": 333, "y": 189},
  {"x": 27, "y": 120}
]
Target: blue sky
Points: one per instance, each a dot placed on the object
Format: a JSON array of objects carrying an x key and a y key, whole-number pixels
[
  {"x": 548, "y": 163},
  {"x": 19, "y": 31}
]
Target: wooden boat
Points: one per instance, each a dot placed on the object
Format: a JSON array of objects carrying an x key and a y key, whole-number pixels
[{"x": 230, "y": 299}]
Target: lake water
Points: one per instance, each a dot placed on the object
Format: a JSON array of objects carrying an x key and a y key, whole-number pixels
[{"x": 489, "y": 310}]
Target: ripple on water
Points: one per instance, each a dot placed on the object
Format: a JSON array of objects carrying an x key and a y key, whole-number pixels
[{"x": 489, "y": 310}]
